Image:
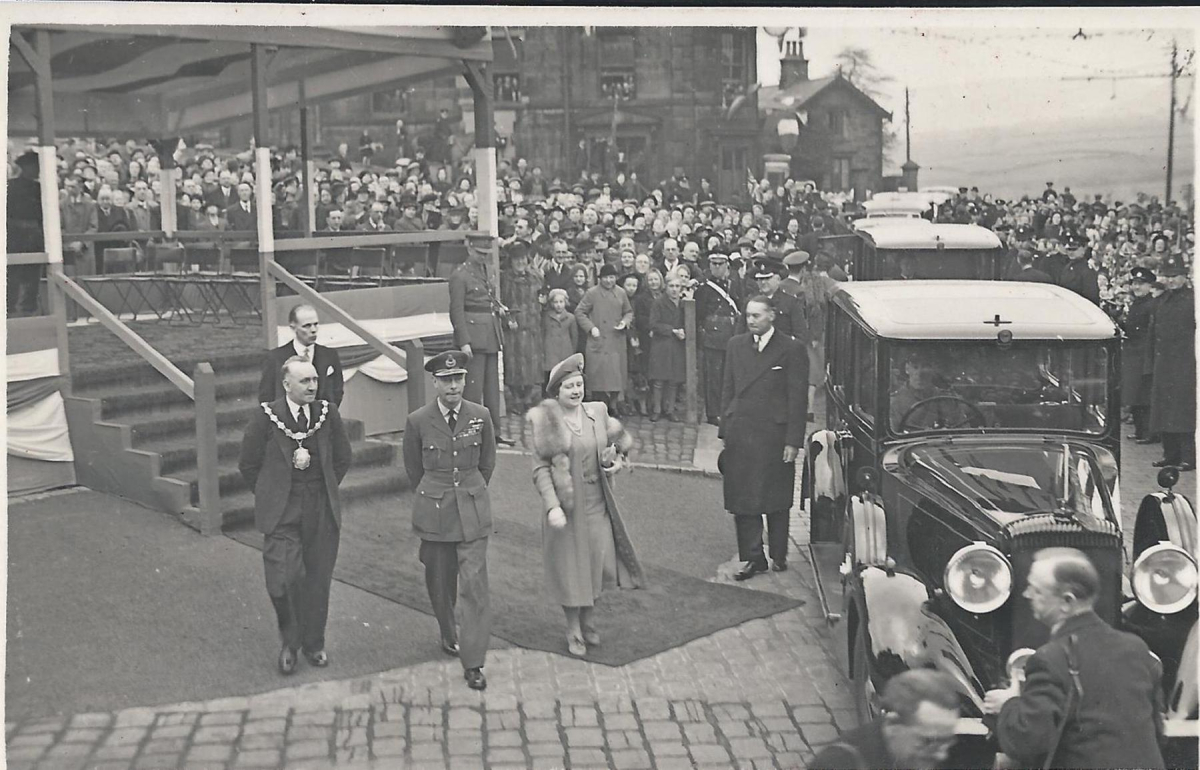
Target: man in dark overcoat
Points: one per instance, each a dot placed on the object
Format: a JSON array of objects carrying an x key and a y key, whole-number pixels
[
  {"x": 449, "y": 455},
  {"x": 295, "y": 453},
  {"x": 24, "y": 227},
  {"x": 476, "y": 315},
  {"x": 1078, "y": 275},
  {"x": 1172, "y": 359},
  {"x": 764, "y": 403},
  {"x": 718, "y": 311},
  {"x": 305, "y": 327},
  {"x": 1092, "y": 695},
  {"x": 1135, "y": 374}
]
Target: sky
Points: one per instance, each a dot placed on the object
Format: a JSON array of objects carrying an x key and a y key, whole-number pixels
[{"x": 963, "y": 77}]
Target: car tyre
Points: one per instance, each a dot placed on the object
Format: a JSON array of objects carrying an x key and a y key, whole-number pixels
[{"x": 866, "y": 698}]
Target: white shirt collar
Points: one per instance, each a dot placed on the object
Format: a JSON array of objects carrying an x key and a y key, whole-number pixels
[
  {"x": 763, "y": 339},
  {"x": 301, "y": 350},
  {"x": 295, "y": 408}
]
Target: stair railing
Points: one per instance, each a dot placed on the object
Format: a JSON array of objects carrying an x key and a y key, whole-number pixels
[
  {"x": 414, "y": 349},
  {"x": 201, "y": 388}
]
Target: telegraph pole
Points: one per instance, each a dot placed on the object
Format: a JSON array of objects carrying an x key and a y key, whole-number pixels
[
  {"x": 1171, "y": 127},
  {"x": 907, "y": 132}
]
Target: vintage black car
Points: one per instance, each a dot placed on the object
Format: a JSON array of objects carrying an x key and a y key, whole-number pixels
[
  {"x": 970, "y": 424},
  {"x": 891, "y": 248}
]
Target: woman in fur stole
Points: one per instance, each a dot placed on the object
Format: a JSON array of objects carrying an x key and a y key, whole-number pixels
[{"x": 576, "y": 448}]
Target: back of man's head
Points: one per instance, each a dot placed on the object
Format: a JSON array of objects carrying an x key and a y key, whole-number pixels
[
  {"x": 905, "y": 692},
  {"x": 1073, "y": 572}
]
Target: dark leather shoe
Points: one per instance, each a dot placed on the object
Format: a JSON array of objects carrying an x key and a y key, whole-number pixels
[
  {"x": 1162, "y": 463},
  {"x": 318, "y": 659},
  {"x": 779, "y": 566},
  {"x": 1185, "y": 467},
  {"x": 450, "y": 648},
  {"x": 287, "y": 660},
  {"x": 475, "y": 679},
  {"x": 749, "y": 570},
  {"x": 1151, "y": 440},
  {"x": 505, "y": 441}
]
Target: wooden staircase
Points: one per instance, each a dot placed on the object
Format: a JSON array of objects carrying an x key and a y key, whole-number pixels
[{"x": 136, "y": 435}]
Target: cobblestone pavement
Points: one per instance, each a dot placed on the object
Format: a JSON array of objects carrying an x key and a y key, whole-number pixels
[
  {"x": 760, "y": 695},
  {"x": 655, "y": 443}
]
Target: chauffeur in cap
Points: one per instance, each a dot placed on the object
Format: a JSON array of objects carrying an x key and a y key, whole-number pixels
[
  {"x": 294, "y": 455},
  {"x": 449, "y": 454},
  {"x": 475, "y": 314}
]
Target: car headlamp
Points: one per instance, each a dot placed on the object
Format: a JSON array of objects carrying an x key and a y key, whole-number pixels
[
  {"x": 1164, "y": 578},
  {"x": 978, "y": 578}
]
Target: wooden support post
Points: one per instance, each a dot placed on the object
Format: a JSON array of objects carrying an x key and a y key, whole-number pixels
[
  {"x": 262, "y": 187},
  {"x": 206, "y": 448},
  {"x": 414, "y": 356},
  {"x": 168, "y": 179},
  {"x": 690, "y": 350},
  {"x": 308, "y": 209}
]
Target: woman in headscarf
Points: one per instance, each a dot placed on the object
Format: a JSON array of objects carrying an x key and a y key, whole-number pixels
[{"x": 577, "y": 447}]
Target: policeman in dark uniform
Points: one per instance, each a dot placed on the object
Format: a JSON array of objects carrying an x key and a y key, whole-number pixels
[
  {"x": 475, "y": 314},
  {"x": 789, "y": 311},
  {"x": 449, "y": 455},
  {"x": 1135, "y": 374},
  {"x": 718, "y": 310},
  {"x": 1078, "y": 275}
]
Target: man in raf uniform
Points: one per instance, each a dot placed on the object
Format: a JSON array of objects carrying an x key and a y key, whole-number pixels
[
  {"x": 718, "y": 310},
  {"x": 476, "y": 314},
  {"x": 449, "y": 454},
  {"x": 764, "y": 404},
  {"x": 294, "y": 455}
]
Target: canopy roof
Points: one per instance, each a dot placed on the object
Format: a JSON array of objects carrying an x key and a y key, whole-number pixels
[
  {"x": 161, "y": 80},
  {"x": 967, "y": 310}
]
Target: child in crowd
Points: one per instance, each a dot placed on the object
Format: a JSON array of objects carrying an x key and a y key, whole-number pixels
[{"x": 560, "y": 332}]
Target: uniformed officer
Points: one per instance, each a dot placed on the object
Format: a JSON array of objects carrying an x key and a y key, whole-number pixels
[
  {"x": 449, "y": 454},
  {"x": 475, "y": 314},
  {"x": 718, "y": 308},
  {"x": 1135, "y": 374},
  {"x": 789, "y": 312},
  {"x": 1172, "y": 362}
]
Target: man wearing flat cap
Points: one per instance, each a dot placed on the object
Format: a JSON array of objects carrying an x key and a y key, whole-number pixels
[
  {"x": 449, "y": 455},
  {"x": 1135, "y": 346},
  {"x": 476, "y": 314}
]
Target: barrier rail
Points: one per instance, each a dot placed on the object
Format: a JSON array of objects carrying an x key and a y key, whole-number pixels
[{"x": 201, "y": 389}]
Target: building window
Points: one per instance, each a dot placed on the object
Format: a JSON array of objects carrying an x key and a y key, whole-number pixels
[
  {"x": 733, "y": 66},
  {"x": 841, "y": 174},
  {"x": 839, "y": 123},
  {"x": 390, "y": 102},
  {"x": 507, "y": 87},
  {"x": 618, "y": 55}
]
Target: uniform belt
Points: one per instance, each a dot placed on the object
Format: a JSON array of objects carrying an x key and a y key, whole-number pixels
[
  {"x": 449, "y": 476},
  {"x": 477, "y": 309}
]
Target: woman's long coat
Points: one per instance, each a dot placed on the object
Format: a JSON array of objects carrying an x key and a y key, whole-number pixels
[
  {"x": 667, "y": 356},
  {"x": 558, "y": 476},
  {"x": 1173, "y": 358},
  {"x": 523, "y": 365},
  {"x": 605, "y": 364},
  {"x": 560, "y": 338}
]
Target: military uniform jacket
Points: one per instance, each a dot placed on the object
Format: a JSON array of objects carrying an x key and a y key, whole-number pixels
[
  {"x": 473, "y": 310},
  {"x": 717, "y": 312},
  {"x": 1172, "y": 359},
  {"x": 1114, "y": 722},
  {"x": 450, "y": 472}
]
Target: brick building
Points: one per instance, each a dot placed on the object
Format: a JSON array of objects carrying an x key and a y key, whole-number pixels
[
  {"x": 672, "y": 98},
  {"x": 823, "y": 129}
]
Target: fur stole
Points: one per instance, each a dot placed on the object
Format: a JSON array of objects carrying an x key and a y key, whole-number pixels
[{"x": 552, "y": 443}]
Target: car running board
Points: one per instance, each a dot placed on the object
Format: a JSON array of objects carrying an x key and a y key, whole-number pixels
[{"x": 826, "y": 560}]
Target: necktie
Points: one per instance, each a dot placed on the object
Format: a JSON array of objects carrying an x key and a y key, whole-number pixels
[
  {"x": 302, "y": 419},
  {"x": 307, "y": 354},
  {"x": 758, "y": 343},
  {"x": 451, "y": 419}
]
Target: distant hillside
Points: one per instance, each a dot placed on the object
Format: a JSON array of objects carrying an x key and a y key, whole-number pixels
[{"x": 1118, "y": 157}]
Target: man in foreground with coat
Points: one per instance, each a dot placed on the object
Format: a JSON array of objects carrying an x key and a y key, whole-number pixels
[
  {"x": 1092, "y": 695},
  {"x": 764, "y": 402},
  {"x": 449, "y": 454},
  {"x": 294, "y": 455}
]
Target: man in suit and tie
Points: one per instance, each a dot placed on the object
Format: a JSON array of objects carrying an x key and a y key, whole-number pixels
[
  {"x": 295, "y": 453},
  {"x": 223, "y": 194},
  {"x": 449, "y": 454},
  {"x": 242, "y": 215},
  {"x": 305, "y": 324},
  {"x": 764, "y": 402}
]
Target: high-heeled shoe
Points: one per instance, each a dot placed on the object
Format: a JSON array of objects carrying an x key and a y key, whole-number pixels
[{"x": 576, "y": 646}]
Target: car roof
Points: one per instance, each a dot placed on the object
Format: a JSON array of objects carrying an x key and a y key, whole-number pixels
[
  {"x": 952, "y": 310},
  {"x": 953, "y": 236},
  {"x": 874, "y": 223},
  {"x": 915, "y": 205}
]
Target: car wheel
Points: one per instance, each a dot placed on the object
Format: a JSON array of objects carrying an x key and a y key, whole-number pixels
[{"x": 866, "y": 698}]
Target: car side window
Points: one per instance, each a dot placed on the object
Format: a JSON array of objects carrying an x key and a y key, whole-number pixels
[
  {"x": 863, "y": 402},
  {"x": 840, "y": 355}
]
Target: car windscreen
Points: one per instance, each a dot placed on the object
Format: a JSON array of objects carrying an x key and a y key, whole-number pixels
[
  {"x": 937, "y": 264},
  {"x": 1020, "y": 480},
  {"x": 1048, "y": 385}
]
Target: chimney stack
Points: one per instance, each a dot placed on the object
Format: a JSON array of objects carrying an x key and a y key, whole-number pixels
[{"x": 793, "y": 67}]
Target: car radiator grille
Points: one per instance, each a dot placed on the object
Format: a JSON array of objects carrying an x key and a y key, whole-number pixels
[{"x": 1101, "y": 543}]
